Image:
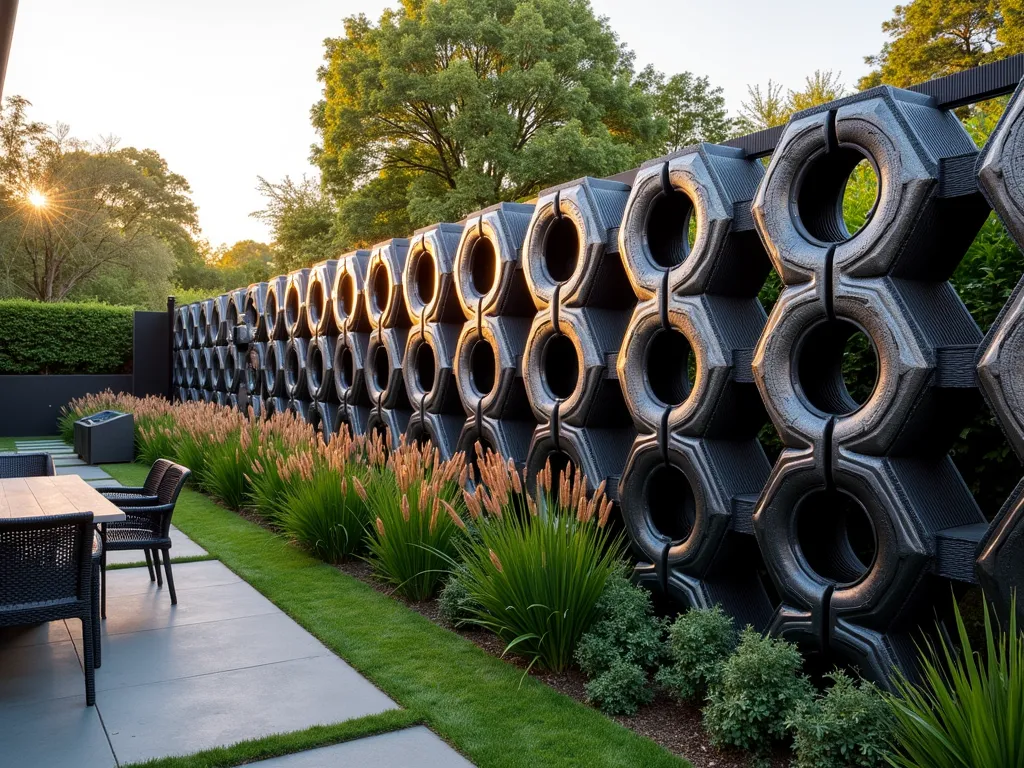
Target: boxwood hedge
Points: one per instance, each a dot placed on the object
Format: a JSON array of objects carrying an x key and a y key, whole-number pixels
[{"x": 64, "y": 338}]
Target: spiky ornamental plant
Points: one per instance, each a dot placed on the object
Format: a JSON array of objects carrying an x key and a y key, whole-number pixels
[
  {"x": 412, "y": 497},
  {"x": 539, "y": 563},
  {"x": 968, "y": 710},
  {"x": 321, "y": 508}
]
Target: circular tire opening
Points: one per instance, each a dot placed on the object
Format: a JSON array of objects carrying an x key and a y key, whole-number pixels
[
  {"x": 836, "y": 194},
  {"x": 291, "y": 308},
  {"x": 835, "y": 536},
  {"x": 483, "y": 367},
  {"x": 426, "y": 367},
  {"x": 671, "y": 228},
  {"x": 671, "y": 367},
  {"x": 347, "y": 294},
  {"x": 381, "y": 368},
  {"x": 316, "y": 367},
  {"x": 380, "y": 289},
  {"x": 561, "y": 366},
  {"x": 347, "y": 367},
  {"x": 424, "y": 277},
  {"x": 474, "y": 458},
  {"x": 561, "y": 463},
  {"x": 561, "y": 249},
  {"x": 292, "y": 368},
  {"x": 483, "y": 265},
  {"x": 316, "y": 303},
  {"x": 837, "y": 367},
  {"x": 418, "y": 435},
  {"x": 670, "y": 502}
]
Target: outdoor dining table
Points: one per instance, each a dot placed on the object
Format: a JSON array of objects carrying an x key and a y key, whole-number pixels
[{"x": 22, "y": 497}]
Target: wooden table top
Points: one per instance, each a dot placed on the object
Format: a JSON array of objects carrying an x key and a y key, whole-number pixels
[{"x": 59, "y": 495}]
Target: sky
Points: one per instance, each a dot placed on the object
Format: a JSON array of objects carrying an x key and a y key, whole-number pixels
[{"x": 222, "y": 88}]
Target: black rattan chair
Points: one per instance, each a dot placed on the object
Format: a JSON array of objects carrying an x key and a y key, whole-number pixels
[
  {"x": 144, "y": 494},
  {"x": 48, "y": 573},
  {"x": 27, "y": 465},
  {"x": 138, "y": 496},
  {"x": 146, "y": 528}
]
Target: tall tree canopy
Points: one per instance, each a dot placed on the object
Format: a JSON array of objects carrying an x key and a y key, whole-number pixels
[
  {"x": 300, "y": 217},
  {"x": 74, "y": 212},
  {"x": 442, "y": 107},
  {"x": 932, "y": 38},
  {"x": 691, "y": 109}
]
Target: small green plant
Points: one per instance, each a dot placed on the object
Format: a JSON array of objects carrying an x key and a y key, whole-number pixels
[
  {"x": 848, "y": 726},
  {"x": 454, "y": 602},
  {"x": 760, "y": 688},
  {"x": 700, "y": 641},
  {"x": 969, "y": 707},
  {"x": 622, "y": 646},
  {"x": 324, "y": 512},
  {"x": 541, "y": 563},
  {"x": 413, "y": 538},
  {"x": 621, "y": 689}
]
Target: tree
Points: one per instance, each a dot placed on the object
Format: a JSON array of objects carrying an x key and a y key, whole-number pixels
[
  {"x": 932, "y": 38},
  {"x": 820, "y": 88},
  {"x": 444, "y": 107},
  {"x": 246, "y": 262},
  {"x": 690, "y": 107},
  {"x": 73, "y": 211},
  {"x": 300, "y": 216},
  {"x": 762, "y": 110}
]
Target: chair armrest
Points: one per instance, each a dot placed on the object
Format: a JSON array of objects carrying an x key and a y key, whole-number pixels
[
  {"x": 121, "y": 489},
  {"x": 156, "y": 510}
]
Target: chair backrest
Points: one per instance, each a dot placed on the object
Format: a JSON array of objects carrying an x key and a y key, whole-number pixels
[
  {"x": 44, "y": 561},
  {"x": 156, "y": 475},
  {"x": 26, "y": 465},
  {"x": 174, "y": 480}
]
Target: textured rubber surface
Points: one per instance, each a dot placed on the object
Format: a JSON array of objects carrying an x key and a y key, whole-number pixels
[{"x": 428, "y": 281}]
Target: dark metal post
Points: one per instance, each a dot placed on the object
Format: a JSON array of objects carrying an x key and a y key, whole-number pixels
[{"x": 170, "y": 347}]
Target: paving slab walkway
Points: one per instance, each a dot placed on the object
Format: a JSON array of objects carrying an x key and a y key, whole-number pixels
[{"x": 223, "y": 665}]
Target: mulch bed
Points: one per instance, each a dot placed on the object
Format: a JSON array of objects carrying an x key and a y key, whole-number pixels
[{"x": 675, "y": 726}]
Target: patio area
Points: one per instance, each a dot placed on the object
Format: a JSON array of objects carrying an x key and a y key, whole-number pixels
[{"x": 222, "y": 666}]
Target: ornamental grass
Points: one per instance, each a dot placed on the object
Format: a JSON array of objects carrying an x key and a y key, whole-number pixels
[
  {"x": 322, "y": 509},
  {"x": 538, "y": 563},
  {"x": 968, "y": 708},
  {"x": 413, "y": 497}
]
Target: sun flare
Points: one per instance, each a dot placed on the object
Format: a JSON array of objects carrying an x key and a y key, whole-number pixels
[{"x": 36, "y": 198}]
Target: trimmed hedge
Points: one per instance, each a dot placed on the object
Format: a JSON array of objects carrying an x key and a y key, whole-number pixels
[{"x": 64, "y": 338}]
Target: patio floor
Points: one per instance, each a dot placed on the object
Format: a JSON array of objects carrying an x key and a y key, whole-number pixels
[{"x": 222, "y": 666}]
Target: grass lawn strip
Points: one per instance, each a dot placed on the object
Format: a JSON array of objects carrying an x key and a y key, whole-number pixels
[
  {"x": 483, "y": 706},
  {"x": 287, "y": 743}
]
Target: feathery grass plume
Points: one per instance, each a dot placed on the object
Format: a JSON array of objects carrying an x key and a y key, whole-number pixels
[
  {"x": 539, "y": 563},
  {"x": 412, "y": 544},
  {"x": 969, "y": 706}
]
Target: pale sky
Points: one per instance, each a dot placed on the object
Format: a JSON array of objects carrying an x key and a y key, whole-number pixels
[{"x": 222, "y": 88}]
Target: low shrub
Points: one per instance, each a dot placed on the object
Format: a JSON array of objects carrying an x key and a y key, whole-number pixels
[
  {"x": 541, "y": 562},
  {"x": 759, "y": 690},
  {"x": 454, "y": 601},
  {"x": 413, "y": 537},
  {"x": 700, "y": 641},
  {"x": 621, "y": 689},
  {"x": 848, "y": 726},
  {"x": 969, "y": 707},
  {"x": 623, "y": 645},
  {"x": 64, "y": 338}
]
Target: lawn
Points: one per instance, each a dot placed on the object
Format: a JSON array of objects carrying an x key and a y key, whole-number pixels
[{"x": 483, "y": 706}]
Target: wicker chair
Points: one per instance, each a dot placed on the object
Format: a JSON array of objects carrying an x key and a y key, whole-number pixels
[
  {"x": 146, "y": 528},
  {"x": 27, "y": 465},
  {"x": 138, "y": 496},
  {"x": 48, "y": 573}
]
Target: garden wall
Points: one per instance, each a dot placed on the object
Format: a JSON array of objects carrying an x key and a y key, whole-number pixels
[
  {"x": 615, "y": 325},
  {"x": 51, "y": 354}
]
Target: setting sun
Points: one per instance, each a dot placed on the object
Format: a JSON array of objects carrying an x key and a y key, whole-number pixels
[{"x": 36, "y": 198}]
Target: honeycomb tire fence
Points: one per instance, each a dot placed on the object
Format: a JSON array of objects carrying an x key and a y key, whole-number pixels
[{"x": 616, "y": 327}]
